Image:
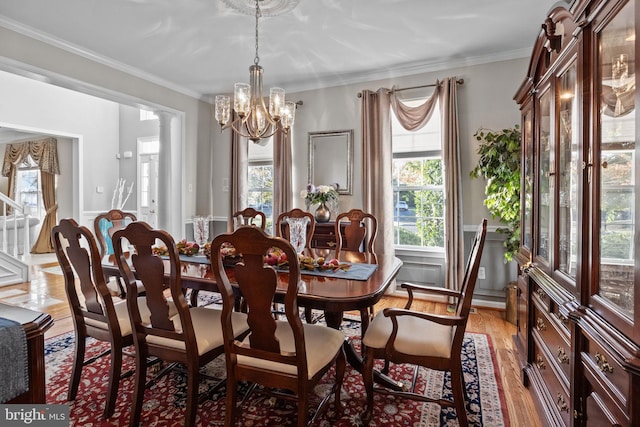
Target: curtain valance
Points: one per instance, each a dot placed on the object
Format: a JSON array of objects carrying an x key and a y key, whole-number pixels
[{"x": 43, "y": 151}]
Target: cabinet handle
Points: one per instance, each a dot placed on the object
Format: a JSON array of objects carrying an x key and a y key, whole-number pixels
[
  {"x": 562, "y": 355},
  {"x": 331, "y": 244},
  {"x": 562, "y": 404},
  {"x": 603, "y": 364},
  {"x": 542, "y": 294},
  {"x": 540, "y": 363},
  {"x": 540, "y": 326},
  {"x": 562, "y": 317}
]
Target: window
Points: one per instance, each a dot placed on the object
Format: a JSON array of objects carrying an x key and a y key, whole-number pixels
[
  {"x": 260, "y": 171},
  {"x": 147, "y": 115},
  {"x": 418, "y": 184},
  {"x": 28, "y": 191}
]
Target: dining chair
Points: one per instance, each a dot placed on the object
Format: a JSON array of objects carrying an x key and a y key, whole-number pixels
[
  {"x": 95, "y": 314},
  {"x": 430, "y": 340},
  {"x": 278, "y": 354},
  {"x": 358, "y": 234},
  {"x": 107, "y": 223},
  {"x": 282, "y": 226},
  {"x": 249, "y": 216},
  {"x": 104, "y": 225},
  {"x": 192, "y": 337}
]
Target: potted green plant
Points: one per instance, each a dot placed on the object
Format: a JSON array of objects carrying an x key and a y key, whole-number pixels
[{"x": 499, "y": 165}]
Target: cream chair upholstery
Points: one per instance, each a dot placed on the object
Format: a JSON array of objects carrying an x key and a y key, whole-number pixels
[
  {"x": 279, "y": 354},
  {"x": 193, "y": 337},
  {"x": 424, "y": 339}
]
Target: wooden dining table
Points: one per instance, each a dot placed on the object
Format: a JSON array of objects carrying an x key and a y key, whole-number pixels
[{"x": 332, "y": 294}]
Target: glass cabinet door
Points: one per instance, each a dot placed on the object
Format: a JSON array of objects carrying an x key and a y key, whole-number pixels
[
  {"x": 545, "y": 181},
  {"x": 527, "y": 179},
  {"x": 616, "y": 163},
  {"x": 568, "y": 170}
]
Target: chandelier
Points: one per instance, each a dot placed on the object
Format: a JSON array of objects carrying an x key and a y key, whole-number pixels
[{"x": 255, "y": 120}]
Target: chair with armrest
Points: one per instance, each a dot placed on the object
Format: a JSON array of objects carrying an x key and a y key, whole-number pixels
[
  {"x": 192, "y": 337},
  {"x": 95, "y": 314},
  {"x": 278, "y": 354},
  {"x": 249, "y": 216},
  {"x": 398, "y": 336}
]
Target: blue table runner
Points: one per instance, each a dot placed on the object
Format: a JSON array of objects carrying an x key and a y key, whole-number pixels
[{"x": 14, "y": 369}]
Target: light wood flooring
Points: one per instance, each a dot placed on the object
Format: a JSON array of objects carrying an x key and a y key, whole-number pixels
[{"x": 46, "y": 293}]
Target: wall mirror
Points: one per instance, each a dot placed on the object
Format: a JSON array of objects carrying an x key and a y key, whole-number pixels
[{"x": 331, "y": 159}]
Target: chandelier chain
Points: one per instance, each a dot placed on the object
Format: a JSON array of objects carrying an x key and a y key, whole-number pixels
[{"x": 256, "y": 60}]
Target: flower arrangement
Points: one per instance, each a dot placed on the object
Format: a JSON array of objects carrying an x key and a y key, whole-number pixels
[{"x": 321, "y": 194}]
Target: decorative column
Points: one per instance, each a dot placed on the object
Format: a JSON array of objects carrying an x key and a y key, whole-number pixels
[{"x": 164, "y": 171}]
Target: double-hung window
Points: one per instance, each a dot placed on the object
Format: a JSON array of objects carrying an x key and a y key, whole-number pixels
[
  {"x": 28, "y": 191},
  {"x": 418, "y": 184},
  {"x": 260, "y": 171}
]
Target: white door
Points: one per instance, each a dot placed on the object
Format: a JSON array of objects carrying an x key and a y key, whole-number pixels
[{"x": 148, "y": 188}]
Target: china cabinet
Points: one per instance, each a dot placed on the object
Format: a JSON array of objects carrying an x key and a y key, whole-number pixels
[{"x": 577, "y": 338}]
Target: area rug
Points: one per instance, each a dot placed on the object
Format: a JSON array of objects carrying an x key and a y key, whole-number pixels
[{"x": 164, "y": 402}]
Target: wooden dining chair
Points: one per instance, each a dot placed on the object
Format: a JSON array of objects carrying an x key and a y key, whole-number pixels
[
  {"x": 359, "y": 232},
  {"x": 95, "y": 314},
  {"x": 249, "y": 216},
  {"x": 424, "y": 339},
  {"x": 282, "y": 227},
  {"x": 107, "y": 223},
  {"x": 278, "y": 354},
  {"x": 356, "y": 231},
  {"x": 192, "y": 337}
]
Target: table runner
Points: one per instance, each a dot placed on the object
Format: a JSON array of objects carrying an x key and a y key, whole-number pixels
[
  {"x": 355, "y": 272},
  {"x": 14, "y": 373}
]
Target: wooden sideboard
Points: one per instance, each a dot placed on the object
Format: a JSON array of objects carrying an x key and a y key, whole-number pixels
[
  {"x": 35, "y": 324},
  {"x": 324, "y": 236}
]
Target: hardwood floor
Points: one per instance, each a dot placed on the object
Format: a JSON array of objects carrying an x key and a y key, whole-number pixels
[{"x": 46, "y": 293}]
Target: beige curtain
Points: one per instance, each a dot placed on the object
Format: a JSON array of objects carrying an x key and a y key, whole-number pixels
[
  {"x": 282, "y": 161},
  {"x": 377, "y": 165},
  {"x": 43, "y": 244},
  {"x": 414, "y": 118},
  {"x": 45, "y": 153},
  {"x": 454, "y": 244},
  {"x": 239, "y": 174}
]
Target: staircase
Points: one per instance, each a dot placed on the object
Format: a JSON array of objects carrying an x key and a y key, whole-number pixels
[{"x": 15, "y": 243}]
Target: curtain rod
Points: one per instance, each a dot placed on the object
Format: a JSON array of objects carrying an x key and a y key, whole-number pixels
[{"x": 459, "y": 81}]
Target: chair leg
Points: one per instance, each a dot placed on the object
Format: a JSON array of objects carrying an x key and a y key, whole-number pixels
[
  {"x": 367, "y": 376},
  {"x": 78, "y": 361},
  {"x": 192, "y": 395},
  {"x": 457, "y": 388},
  {"x": 114, "y": 379},
  {"x": 230, "y": 410},
  {"x": 341, "y": 364},
  {"x": 303, "y": 405},
  {"x": 138, "y": 390}
]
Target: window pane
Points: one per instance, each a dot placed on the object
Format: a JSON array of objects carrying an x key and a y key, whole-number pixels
[{"x": 260, "y": 193}]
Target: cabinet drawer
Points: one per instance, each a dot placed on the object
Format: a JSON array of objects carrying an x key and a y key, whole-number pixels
[
  {"x": 607, "y": 370},
  {"x": 597, "y": 413},
  {"x": 558, "y": 393},
  {"x": 546, "y": 328}
]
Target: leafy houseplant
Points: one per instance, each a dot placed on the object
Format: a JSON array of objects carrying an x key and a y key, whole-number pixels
[{"x": 499, "y": 164}]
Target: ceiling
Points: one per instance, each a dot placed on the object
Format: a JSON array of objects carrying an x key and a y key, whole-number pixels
[{"x": 202, "y": 47}]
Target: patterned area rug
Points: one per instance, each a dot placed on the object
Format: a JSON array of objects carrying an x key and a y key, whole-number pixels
[{"x": 164, "y": 402}]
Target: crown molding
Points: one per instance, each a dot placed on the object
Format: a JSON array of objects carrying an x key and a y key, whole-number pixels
[{"x": 93, "y": 56}]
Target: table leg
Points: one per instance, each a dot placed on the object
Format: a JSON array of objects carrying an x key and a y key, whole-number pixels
[{"x": 334, "y": 319}]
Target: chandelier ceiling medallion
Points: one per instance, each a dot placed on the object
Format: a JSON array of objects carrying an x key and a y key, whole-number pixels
[{"x": 255, "y": 119}]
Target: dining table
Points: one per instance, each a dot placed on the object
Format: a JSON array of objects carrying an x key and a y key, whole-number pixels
[{"x": 333, "y": 292}]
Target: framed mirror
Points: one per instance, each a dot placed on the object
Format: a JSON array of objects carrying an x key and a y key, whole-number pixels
[{"x": 331, "y": 159}]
